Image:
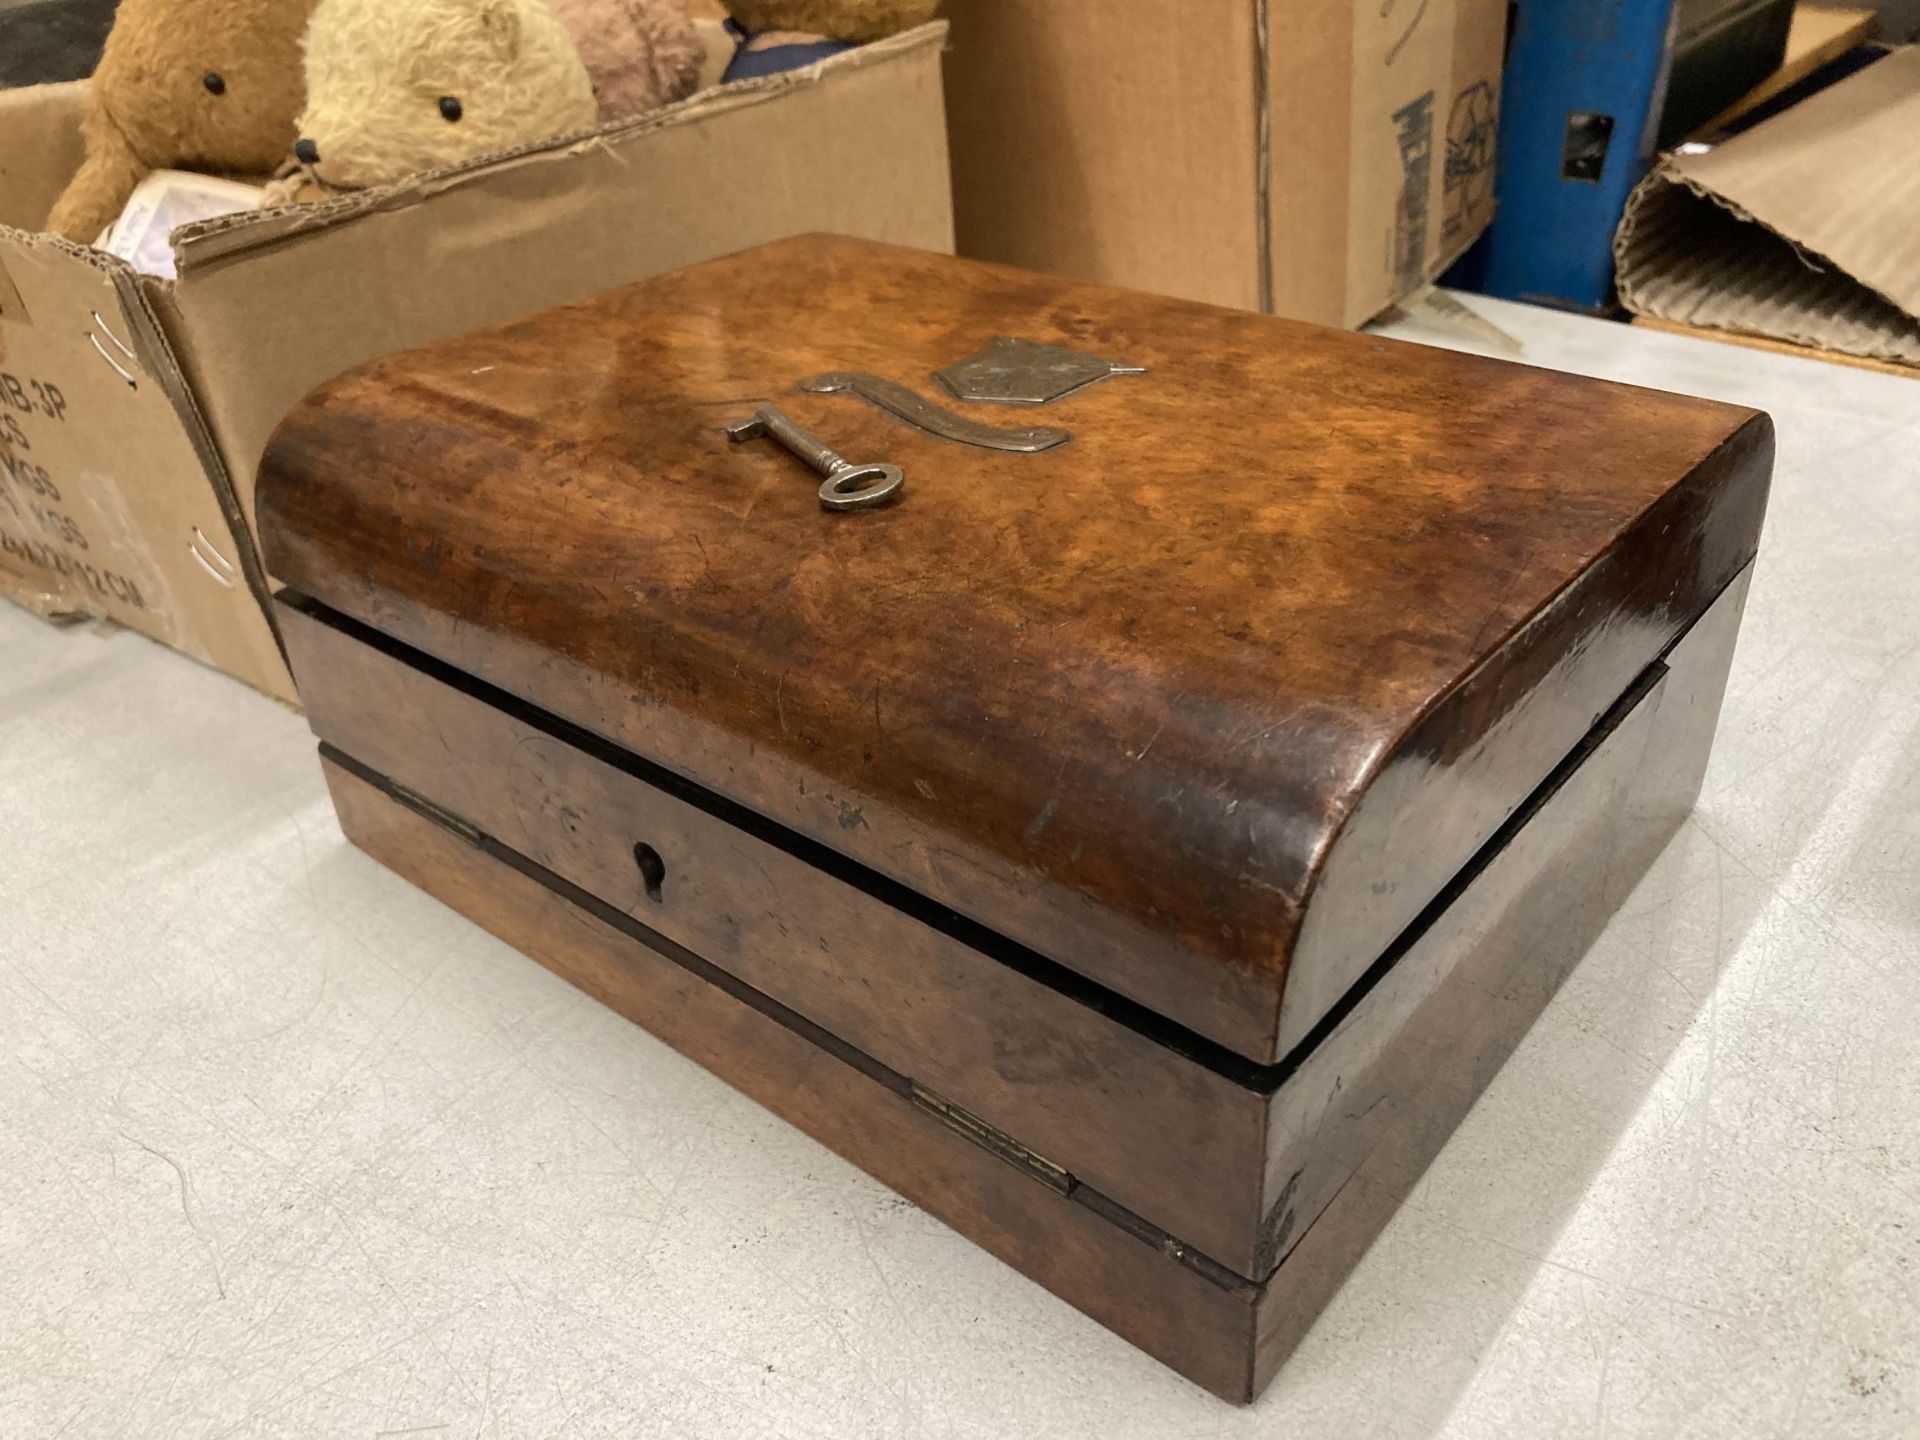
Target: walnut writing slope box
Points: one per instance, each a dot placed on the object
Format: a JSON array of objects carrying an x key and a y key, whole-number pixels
[{"x": 1138, "y": 846}]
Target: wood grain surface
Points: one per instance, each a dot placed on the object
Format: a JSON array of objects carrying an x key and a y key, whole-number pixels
[
  {"x": 1099, "y": 1097},
  {"x": 1204, "y": 1330},
  {"x": 1068, "y": 1075},
  {"x": 1207, "y": 705},
  {"x": 1457, "y": 1009}
]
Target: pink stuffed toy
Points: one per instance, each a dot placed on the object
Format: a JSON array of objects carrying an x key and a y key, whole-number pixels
[{"x": 640, "y": 54}]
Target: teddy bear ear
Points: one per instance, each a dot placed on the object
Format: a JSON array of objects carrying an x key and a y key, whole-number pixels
[{"x": 500, "y": 23}]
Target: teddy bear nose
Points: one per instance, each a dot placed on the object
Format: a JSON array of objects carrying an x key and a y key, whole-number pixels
[{"x": 306, "y": 152}]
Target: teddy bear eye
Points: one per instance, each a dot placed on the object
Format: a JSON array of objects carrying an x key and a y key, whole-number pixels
[
  {"x": 215, "y": 82},
  {"x": 450, "y": 108}
]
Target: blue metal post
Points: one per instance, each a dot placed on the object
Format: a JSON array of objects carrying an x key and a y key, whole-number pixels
[{"x": 1580, "y": 110}]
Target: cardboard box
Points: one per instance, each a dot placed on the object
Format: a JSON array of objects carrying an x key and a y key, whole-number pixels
[
  {"x": 1312, "y": 158},
  {"x": 133, "y": 411},
  {"x": 1805, "y": 228}
]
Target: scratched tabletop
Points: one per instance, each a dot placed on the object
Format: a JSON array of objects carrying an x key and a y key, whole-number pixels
[{"x": 287, "y": 1149}]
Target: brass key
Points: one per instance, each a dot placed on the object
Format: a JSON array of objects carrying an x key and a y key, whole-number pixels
[{"x": 848, "y": 486}]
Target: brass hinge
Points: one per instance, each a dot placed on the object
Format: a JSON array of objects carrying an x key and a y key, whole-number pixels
[{"x": 969, "y": 1126}]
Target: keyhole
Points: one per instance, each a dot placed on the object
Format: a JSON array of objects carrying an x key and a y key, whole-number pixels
[{"x": 653, "y": 871}]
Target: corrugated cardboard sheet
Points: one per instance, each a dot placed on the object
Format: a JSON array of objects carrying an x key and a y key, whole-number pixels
[
  {"x": 1311, "y": 158},
  {"x": 1805, "y": 228},
  {"x": 133, "y": 411}
]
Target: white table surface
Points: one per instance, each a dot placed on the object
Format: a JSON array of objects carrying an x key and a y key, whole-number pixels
[{"x": 287, "y": 1149}]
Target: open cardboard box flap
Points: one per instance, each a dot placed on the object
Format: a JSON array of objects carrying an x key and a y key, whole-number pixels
[
  {"x": 139, "y": 407},
  {"x": 1805, "y": 228},
  {"x": 550, "y": 224},
  {"x": 31, "y": 176},
  {"x": 106, "y": 502}
]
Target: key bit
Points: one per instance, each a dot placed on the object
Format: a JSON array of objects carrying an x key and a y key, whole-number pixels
[{"x": 848, "y": 486}]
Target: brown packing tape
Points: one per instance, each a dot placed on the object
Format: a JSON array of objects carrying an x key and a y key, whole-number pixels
[{"x": 1805, "y": 228}]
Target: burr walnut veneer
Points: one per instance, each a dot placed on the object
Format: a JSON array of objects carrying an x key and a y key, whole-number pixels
[{"x": 1139, "y": 853}]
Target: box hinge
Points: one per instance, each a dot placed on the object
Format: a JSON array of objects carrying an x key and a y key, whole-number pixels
[
  {"x": 440, "y": 816},
  {"x": 995, "y": 1142}
]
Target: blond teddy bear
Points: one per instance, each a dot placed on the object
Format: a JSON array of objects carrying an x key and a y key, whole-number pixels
[{"x": 395, "y": 87}]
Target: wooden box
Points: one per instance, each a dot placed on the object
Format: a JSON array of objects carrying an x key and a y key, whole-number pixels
[{"x": 1138, "y": 851}]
